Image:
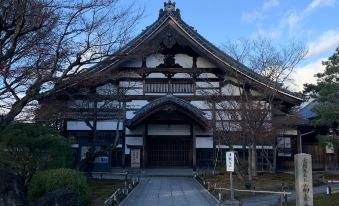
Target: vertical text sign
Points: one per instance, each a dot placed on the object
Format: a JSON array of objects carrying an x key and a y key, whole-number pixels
[
  {"x": 135, "y": 158},
  {"x": 303, "y": 179},
  {"x": 230, "y": 161}
]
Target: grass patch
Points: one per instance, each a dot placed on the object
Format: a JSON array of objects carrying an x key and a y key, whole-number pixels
[
  {"x": 322, "y": 200},
  {"x": 264, "y": 181},
  {"x": 101, "y": 189}
]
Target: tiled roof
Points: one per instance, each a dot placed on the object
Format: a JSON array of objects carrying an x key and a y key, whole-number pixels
[
  {"x": 306, "y": 114},
  {"x": 174, "y": 15}
]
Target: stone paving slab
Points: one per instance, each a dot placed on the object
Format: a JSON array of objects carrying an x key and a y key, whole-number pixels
[{"x": 165, "y": 191}]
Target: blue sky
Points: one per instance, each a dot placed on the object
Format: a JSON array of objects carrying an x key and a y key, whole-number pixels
[{"x": 314, "y": 22}]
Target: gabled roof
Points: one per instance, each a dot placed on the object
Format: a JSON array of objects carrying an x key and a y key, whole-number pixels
[
  {"x": 160, "y": 104},
  {"x": 306, "y": 114},
  {"x": 171, "y": 16}
]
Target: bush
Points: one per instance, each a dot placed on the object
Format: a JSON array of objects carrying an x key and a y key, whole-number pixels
[
  {"x": 67, "y": 179},
  {"x": 28, "y": 148}
]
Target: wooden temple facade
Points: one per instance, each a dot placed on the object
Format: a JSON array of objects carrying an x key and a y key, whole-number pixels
[{"x": 155, "y": 100}]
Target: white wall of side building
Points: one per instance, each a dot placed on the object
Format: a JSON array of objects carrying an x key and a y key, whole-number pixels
[
  {"x": 204, "y": 142},
  {"x": 101, "y": 125}
]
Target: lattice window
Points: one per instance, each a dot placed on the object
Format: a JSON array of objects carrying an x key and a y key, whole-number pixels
[{"x": 169, "y": 88}]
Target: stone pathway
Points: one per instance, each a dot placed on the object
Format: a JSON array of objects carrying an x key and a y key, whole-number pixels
[{"x": 178, "y": 191}]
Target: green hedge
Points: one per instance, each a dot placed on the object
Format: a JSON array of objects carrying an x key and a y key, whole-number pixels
[{"x": 49, "y": 180}]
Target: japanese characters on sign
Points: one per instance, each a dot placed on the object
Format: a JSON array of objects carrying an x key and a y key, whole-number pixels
[
  {"x": 135, "y": 158},
  {"x": 303, "y": 181},
  {"x": 230, "y": 161}
]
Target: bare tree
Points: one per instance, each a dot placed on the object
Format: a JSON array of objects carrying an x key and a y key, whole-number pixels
[
  {"x": 255, "y": 115},
  {"x": 44, "y": 42}
]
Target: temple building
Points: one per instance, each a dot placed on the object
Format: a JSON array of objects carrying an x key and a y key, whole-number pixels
[{"x": 168, "y": 99}]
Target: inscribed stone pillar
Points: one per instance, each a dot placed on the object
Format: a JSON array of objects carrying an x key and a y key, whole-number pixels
[{"x": 303, "y": 179}]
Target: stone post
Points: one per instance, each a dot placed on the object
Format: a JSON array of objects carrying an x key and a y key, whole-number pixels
[{"x": 303, "y": 179}]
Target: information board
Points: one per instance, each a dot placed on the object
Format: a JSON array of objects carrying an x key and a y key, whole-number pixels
[{"x": 230, "y": 161}]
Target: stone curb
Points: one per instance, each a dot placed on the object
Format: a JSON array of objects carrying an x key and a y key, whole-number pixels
[
  {"x": 125, "y": 199},
  {"x": 207, "y": 192}
]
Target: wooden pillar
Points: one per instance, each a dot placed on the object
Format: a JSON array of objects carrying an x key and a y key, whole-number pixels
[
  {"x": 194, "y": 149},
  {"x": 144, "y": 146},
  {"x": 214, "y": 124},
  {"x": 123, "y": 142}
]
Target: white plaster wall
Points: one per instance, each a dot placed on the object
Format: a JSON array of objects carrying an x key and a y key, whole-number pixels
[
  {"x": 136, "y": 104},
  {"x": 200, "y": 104},
  {"x": 255, "y": 93},
  {"x": 107, "y": 104},
  {"x": 154, "y": 60},
  {"x": 101, "y": 125},
  {"x": 227, "y": 105},
  {"x": 133, "y": 63},
  {"x": 181, "y": 76},
  {"x": 207, "y": 84},
  {"x": 156, "y": 75},
  {"x": 134, "y": 92},
  {"x": 288, "y": 132},
  {"x": 77, "y": 125},
  {"x": 259, "y": 147},
  {"x": 207, "y": 91},
  {"x": 207, "y": 75},
  {"x": 223, "y": 115},
  {"x": 182, "y": 94},
  {"x": 109, "y": 125},
  {"x": 228, "y": 126},
  {"x": 130, "y": 84},
  {"x": 107, "y": 89},
  {"x": 204, "y": 63},
  {"x": 231, "y": 90},
  {"x": 204, "y": 142},
  {"x": 139, "y": 130},
  {"x": 171, "y": 129},
  {"x": 184, "y": 60}
]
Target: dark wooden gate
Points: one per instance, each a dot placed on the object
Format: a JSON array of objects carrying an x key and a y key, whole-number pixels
[{"x": 169, "y": 151}]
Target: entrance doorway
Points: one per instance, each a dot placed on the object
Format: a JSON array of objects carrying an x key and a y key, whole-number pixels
[{"x": 169, "y": 151}]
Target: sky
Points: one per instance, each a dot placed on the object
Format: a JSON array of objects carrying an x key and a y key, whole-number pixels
[{"x": 313, "y": 22}]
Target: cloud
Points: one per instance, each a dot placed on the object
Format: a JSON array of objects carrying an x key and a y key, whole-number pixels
[
  {"x": 306, "y": 74},
  {"x": 329, "y": 40},
  {"x": 251, "y": 16},
  {"x": 257, "y": 14},
  {"x": 272, "y": 33},
  {"x": 318, "y": 3},
  {"x": 270, "y": 4},
  {"x": 292, "y": 18}
]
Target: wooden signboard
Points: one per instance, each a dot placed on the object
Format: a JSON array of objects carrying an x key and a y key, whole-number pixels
[{"x": 135, "y": 158}]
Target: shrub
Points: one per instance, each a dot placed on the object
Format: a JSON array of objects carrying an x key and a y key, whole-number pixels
[
  {"x": 67, "y": 179},
  {"x": 28, "y": 148}
]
